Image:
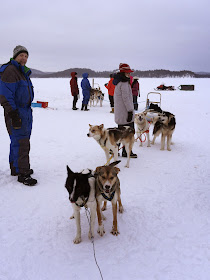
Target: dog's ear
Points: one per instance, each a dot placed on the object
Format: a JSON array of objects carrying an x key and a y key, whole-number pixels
[
  {"x": 69, "y": 170},
  {"x": 114, "y": 163},
  {"x": 116, "y": 169},
  {"x": 97, "y": 171},
  {"x": 90, "y": 125},
  {"x": 145, "y": 113},
  {"x": 101, "y": 126}
]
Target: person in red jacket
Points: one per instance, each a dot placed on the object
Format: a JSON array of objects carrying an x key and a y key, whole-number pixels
[
  {"x": 74, "y": 89},
  {"x": 135, "y": 92},
  {"x": 111, "y": 89}
]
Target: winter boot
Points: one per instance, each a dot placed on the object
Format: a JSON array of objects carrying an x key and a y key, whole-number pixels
[
  {"x": 86, "y": 109},
  {"x": 136, "y": 106},
  {"x": 26, "y": 179},
  {"x": 83, "y": 105},
  {"x": 112, "y": 111},
  {"x": 132, "y": 155},
  {"x": 74, "y": 108}
]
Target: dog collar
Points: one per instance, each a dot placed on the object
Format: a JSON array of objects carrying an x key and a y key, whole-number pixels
[
  {"x": 83, "y": 204},
  {"x": 108, "y": 198}
]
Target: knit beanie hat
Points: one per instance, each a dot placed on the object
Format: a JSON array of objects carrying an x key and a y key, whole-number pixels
[
  {"x": 123, "y": 67},
  {"x": 19, "y": 49}
]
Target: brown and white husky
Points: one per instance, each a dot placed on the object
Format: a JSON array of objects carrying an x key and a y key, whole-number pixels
[{"x": 110, "y": 138}]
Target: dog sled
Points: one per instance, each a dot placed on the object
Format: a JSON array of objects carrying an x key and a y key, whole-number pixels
[
  {"x": 153, "y": 97},
  {"x": 153, "y": 101},
  {"x": 163, "y": 87}
]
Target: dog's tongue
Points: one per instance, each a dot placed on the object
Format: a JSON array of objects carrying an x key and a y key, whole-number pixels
[{"x": 107, "y": 191}]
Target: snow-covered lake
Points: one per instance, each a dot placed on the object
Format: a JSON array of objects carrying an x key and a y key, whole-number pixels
[{"x": 165, "y": 229}]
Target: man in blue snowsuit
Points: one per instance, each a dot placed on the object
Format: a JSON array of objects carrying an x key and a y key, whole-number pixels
[
  {"x": 85, "y": 85},
  {"x": 16, "y": 95}
]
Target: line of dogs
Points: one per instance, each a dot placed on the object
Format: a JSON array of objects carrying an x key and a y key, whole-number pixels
[
  {"x": 90, "y": 188},
  {"x": 96, "y": 96}
]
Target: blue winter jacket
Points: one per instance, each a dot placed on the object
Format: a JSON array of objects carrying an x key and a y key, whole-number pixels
[
  {"x": 16, "y": 89},
  {"x": 85, "y": 84}
]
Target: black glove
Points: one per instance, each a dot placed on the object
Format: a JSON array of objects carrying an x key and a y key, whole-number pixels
[
  {"x": 15, "y": 119},
  {"x": 105, "y": 84},
  {"x": 130, "y": 116}
]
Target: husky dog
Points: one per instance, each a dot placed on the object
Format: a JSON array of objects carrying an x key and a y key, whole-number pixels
[
  {"x": 165, "y": 125},
  {"x": 81, "y": 189},
  {"x": 109, "y": 139},
  {"x": 108, "y": 189},
  {"x": 142, "y": 127},
  {"x": 96, "y": 96}
]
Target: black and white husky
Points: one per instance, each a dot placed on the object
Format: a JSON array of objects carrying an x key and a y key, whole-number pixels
[
  {"x": 165, "y": 125},
  {"x": 81, "y": 189}
]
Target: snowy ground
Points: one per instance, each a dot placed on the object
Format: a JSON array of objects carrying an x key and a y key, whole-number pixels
[{"x": 165, "y": 229}]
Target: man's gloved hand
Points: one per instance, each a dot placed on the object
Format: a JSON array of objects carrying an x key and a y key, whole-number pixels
[
  {"x": 15, "y": 119},
  {"x": 130, "y": 116}
]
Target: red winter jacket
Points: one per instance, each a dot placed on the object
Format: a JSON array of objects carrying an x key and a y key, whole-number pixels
[
  {"x": 135, "y": 88},
  {"x": 74, "y": 85},
  {"x": 110, "y": 87}
]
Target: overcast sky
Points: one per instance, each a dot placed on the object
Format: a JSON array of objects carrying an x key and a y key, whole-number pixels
[{"x": 146, "y": 34}]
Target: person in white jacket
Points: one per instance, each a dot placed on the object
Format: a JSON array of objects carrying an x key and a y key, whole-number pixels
[{"x": 123, "y": 100}]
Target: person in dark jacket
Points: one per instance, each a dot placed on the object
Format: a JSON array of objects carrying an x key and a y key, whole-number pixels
[
  {"x": 123, "y": 100},
  {"x": 16, "y": 95},
  {"x": 135, "y": 92},
  {"x": 86, "y": 87},
  {"x": 74, "y": 89}
]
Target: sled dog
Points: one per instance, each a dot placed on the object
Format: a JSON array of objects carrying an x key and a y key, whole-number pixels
[
  {"x": 81, "y": 189},
  {"x": 109, "y": 139},
  {"x": 142, "y": 125},
  {"x": 96, "y": 96},
  {"x": 108, "y": 189},
  {"x": 165, "y": 125}
]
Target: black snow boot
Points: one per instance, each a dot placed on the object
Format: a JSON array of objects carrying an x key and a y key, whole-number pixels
[
  {"x": 74, "y": 108},
  {"x": 26, "y": 179},
  {"x": 82, "y": 106},
  {"x": 86, "y": 109}
]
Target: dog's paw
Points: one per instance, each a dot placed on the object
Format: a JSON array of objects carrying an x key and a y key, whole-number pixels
[
  {"x": 169, "y": 149},
  {"x": 72, "y": 217},
  {"x": 114, "y": 231},
  {"x": 121, "y": 209},
  {"x": 127, "y": 165},
  {"x": 101, "y": 230},
  {"x": 148, "y": 145},
  {"x": 162, "y": 149},
  {"x": 77, "y": 240},
  {"x": 90, "y": 235}
]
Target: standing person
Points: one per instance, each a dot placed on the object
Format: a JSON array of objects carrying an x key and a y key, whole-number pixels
[
  {"x": 85, "y": 85},
  {"x": 74, "y": 89},
  {"x": 135, "y": 92},
  {"x": 111, "y": 87},
  {"x": 16, "y": 95},
  {"x": 123, "y": 100}
]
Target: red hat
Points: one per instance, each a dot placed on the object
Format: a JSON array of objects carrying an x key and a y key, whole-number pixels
[{"x": 123, "y": 67}]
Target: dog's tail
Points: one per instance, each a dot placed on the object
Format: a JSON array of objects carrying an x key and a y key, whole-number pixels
[{"x": 114, "y": 163}]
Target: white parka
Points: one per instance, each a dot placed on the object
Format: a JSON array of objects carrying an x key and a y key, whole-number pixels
[{"x": 123, "y": 102}]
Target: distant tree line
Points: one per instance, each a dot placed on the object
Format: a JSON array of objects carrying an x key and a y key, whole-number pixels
[{"x": 160, "y": 73}]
